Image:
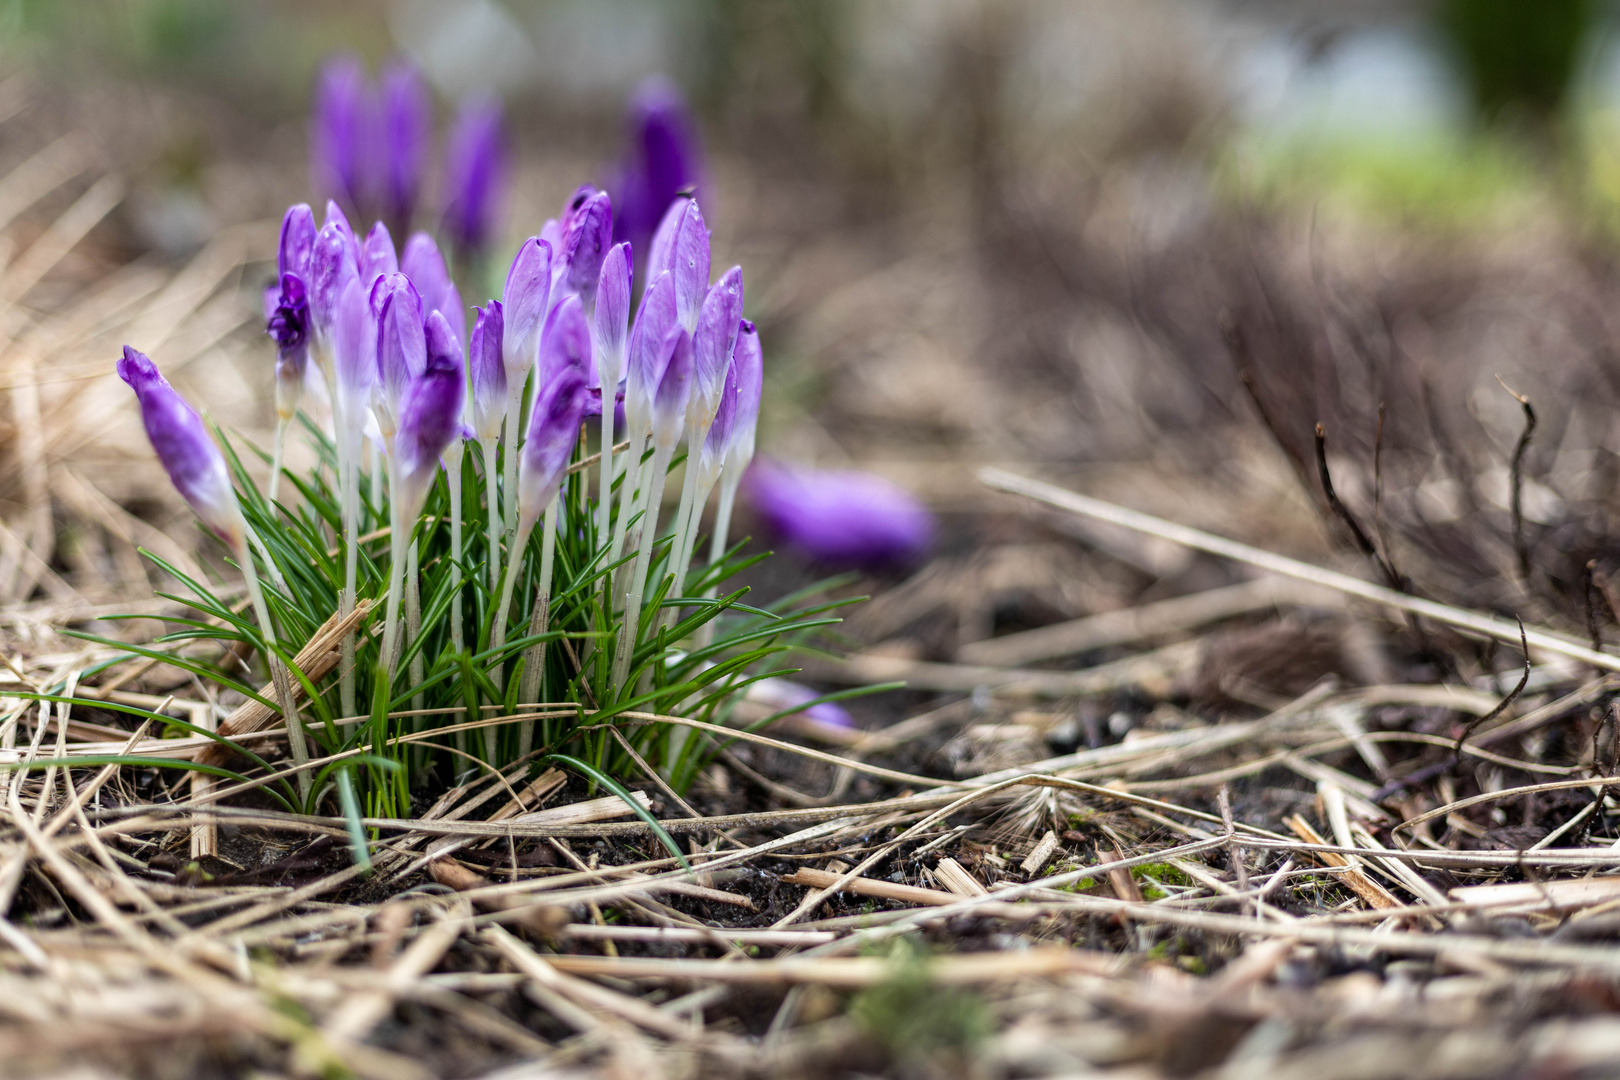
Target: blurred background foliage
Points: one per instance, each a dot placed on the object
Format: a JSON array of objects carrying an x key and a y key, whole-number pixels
[{"x": 1437, "y": 111}]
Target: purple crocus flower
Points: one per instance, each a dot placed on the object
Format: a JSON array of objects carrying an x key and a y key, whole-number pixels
[
  {"x": 553, "y": 431},
  {"x": 712, "y": 457},
  {"x": 487, "y": 371},
  {"x": 674, "y": 390},
  {"x": 712, "y": 345},
  {"x": 587, "y": 234},
  {"x": 407, "y": 124},
  {"x": 297, "y": 241},
  {"x": 748, "y": 366},
  {"x": 331, "y": 267},
  {"x": 377, "y": 256},
  {"x": 336, "y": 218},
  {"x": 663, "y": 159},
  {"x": 475, "y": 173},
  {"x": 565, "y": 342},
  {"x": 839, "y": 520},
  {"x": 650, "y": 345},
  {"x": 355, "y": 352},
  {"x": 287, "y": 322},
  {"x": 401, "y": 347},
  {"x": 689, "y": 260},
  {"x": 424, "y": 265},
  {"x": 430, "y": 411},
  {"x": 526, "y": 299},
  {"x": 193, "y": 462},
  {"x": 343, "y": 134},
  {"x": 611, "y": 324}
]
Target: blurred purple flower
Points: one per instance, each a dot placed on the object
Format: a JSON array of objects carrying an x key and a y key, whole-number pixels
[
  {"x": 662, "y": 160},
  {"x": 343, "y": 133},
  {"x": 407, "y": 125},
  {"x": 779, "y": 694},
  {"x": 553, "y": 431},
  {"x": 193, "y": 462},
  {"x": 475, "y": 174},
  {"x": 593, "y": 405},
  {"x": 487, "y": 371},
  {"x": 839, "y": 520},
  {"x": 423, "y": 263},
  {"x": 430, "y": 411}
]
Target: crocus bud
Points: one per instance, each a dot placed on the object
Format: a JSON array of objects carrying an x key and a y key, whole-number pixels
[
  {"x": 650, "y": 345},
  {"x": 342, "y": 134},
  {"x": 340, "y": 221},
  {"x": 612, "y": 322},
  {"x": 674, "y": 389},
  {"x": 407, "y": 129},
  {"x": 475, "y": 170},
  {"x": 193, "y": 462},
  {"x": 661, "y": 253},
  {"x": 424, "y": 265},
  {"x": 377, "y": 255},
  {"x": 553, "y": 430},
  {"x": 401, "y": 347},
  {"x": 487, "y": 371},
  {"x": 587, "y": 235},
  {"x": 565, "y": 342},
  {"x": 748, "y": 365},
  {"x": 689, "y": 260},
  {"x": 712, "y": 345},
  {"x": 355, "y": 352},
  {"x": 526, "y": 299},
  {"x": 712, "y": 457},
  {"x": 331, "y": 269},
  {"x": 287, "y": 321},
  {"x": 297, "y": 241},
  {"x": 839, "y": 520},
  {"x": 429, "y": 413},
  {"x": 662, "y": 160}
]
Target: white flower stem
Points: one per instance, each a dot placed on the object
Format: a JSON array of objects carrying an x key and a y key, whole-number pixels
[
  {"x": 717, "y": 545},
  {"x": 497, "y": 630},
  {"x": 534, "y": 657},
  {"x": 514, "y": 420},
  {"x": 604, "y": 502},
  {"x": 458, "y": 636},
  {"x": 350, "y": 482},
  {"x": 278, "y": 673},
  {"x": 276, "y": 456},
  {"x": 683, "y": 514},
  {"x": 638, "y": 577},
  {"x": 629, "y": 493},
  {"x": 413, "y": 623},
  {"x": 492, "y": 491}
]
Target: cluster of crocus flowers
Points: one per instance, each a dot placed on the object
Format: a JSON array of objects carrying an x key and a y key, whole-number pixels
[
  {"x": 371, "y": 143},
  {"x": 412, "y": 371}
]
